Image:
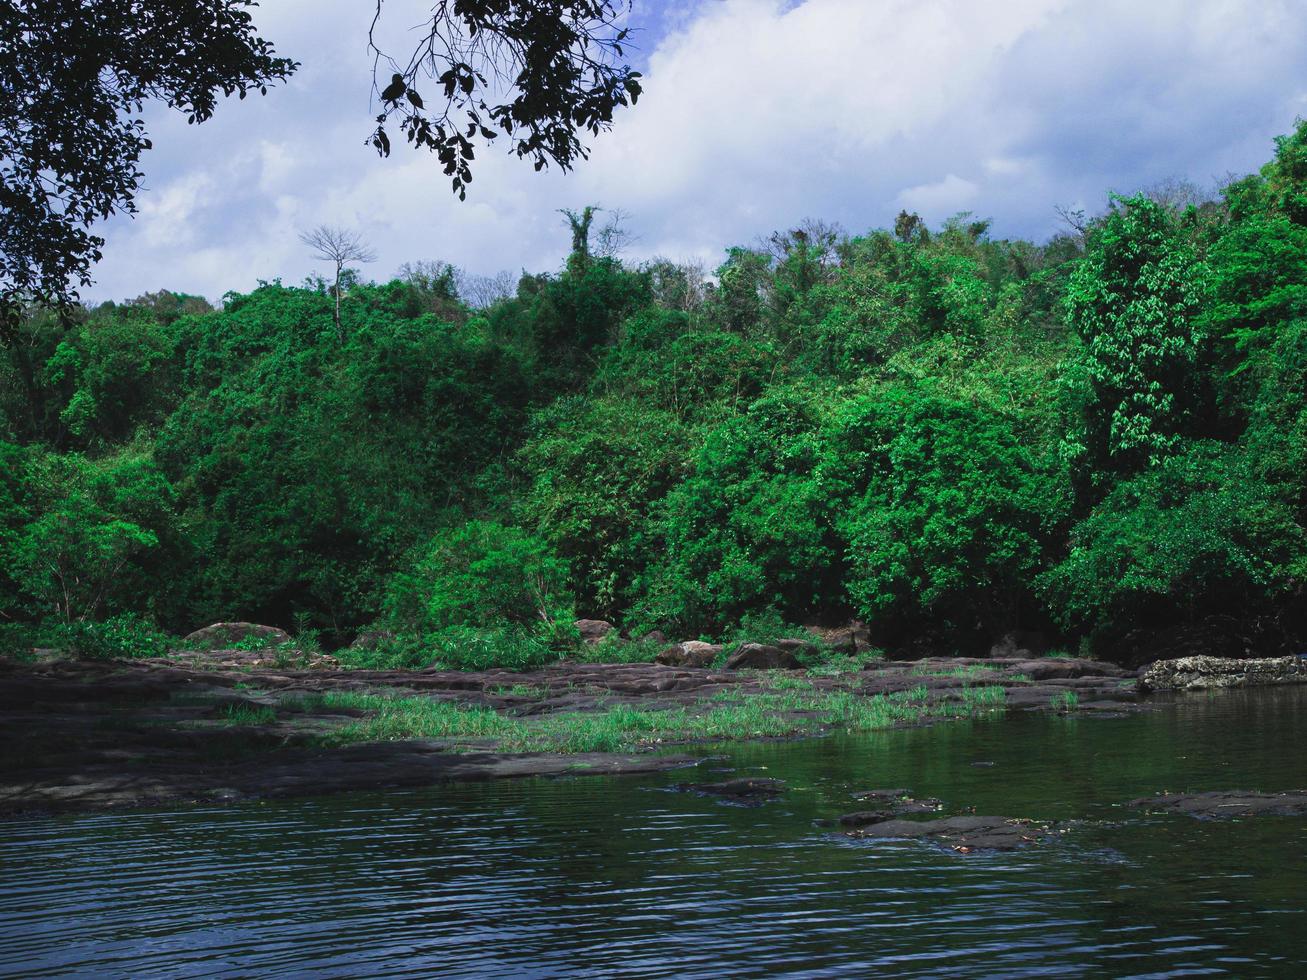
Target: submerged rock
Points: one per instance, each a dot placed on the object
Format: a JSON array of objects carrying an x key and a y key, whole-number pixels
[
  {"x": 883, "y": 794},
  {"x": 890, "y": 803},
  {"x": 762, "y": 656},
  {"x": 1205, "y": 673},
  {"x": 1223, "y": 805},
  {"x": 962, "y": 834},
  {"x": 221, "y": 636},
  {"x": 864, "y": 818},
  {"x": 747, "y": 789}
]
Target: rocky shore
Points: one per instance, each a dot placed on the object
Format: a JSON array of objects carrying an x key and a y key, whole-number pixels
[{"x": 221, "y": 724}]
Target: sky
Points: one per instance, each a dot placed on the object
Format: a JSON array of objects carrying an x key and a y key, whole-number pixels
[{"x": 757, "y": 114}]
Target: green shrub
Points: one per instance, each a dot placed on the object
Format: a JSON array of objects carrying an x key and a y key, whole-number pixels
[
  {"x": 1196, "y": 535},
  {"x": 482, "y": 574},
  {"x": 126, "y": 636}
]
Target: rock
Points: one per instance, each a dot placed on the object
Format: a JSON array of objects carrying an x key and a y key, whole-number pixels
[
  {"x": 1065, "y": 668},
  {"x": 1225, "y": 805},
  {"x": 654, "y": 636},
  {"x": 1204, "y": 673},
  {"x": 370, "y": 639},
  {"x": 221, "y": 636},
  {"x": 749, "y": 789},
  {"x": 691, "y": 653},
  {"x": 962, "y": 834},
  {"x": 890, "y": 803},
  {"x": 1019, "y": 643},
  {"x": 761, "y": 656},
  {"x": 848, "y": 640},
  {"x": 797, "y": 646},
  {"x": 593, "y": 630},
  {"x": 882, "y": 794},
  {"x": 864, "y": 817}
]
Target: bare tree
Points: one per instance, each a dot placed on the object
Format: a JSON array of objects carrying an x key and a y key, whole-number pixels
[
  {"x": 338, "y": 246},
  {"x": 1177, "y": 193},
  {"x": 615, "y": 237},
  {"x": 479, "y": 292},
  {"x": 1074, "y": 218},
  {"x": 682, "y": 286}
]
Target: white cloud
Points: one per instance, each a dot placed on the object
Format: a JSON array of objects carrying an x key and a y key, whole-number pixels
[
  {"x": 757, "y": 114},
  {"x": 939, "y": 200}
]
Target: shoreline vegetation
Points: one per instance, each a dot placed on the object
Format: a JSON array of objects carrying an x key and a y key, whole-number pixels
[{"x": 215, "y": 727}]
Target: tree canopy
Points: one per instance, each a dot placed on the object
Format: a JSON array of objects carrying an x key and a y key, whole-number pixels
[
  {"x": 941, "y": 433},
  {"x": 78, "y": 75}
]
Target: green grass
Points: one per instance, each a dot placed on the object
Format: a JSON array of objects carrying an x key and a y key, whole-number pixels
[
  {"x": 248, "y": 714},
  {"x": 988, "y": 696},
  {"x": 1065, "y": 701},
  {"x": 612, "y": 649},
  {"x": 970, "y": 672},
  {"x": 784, "y": 682},
  {"x": 836, "y": 665},
  {"x": 791, "y": 706},
  {"x": 521, "y": 690},
  {"x": 394, "y": 718}
]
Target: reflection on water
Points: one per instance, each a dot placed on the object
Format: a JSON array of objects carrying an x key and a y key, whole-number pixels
[{"x": 623, "y": 877}]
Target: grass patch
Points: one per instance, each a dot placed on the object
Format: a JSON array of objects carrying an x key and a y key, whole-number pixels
[
  {"x": 836, "y": 665},
  {"x": 984, "y": 698},
  {"x": 791, "y": 706},
  {"x": 395, "y": 718},
  {"x": 612, "y": 649},
  {"x": 247, "y": 715},
  {"x": 969, "y": 672},
  {"x": 1065, "y": 701},
  {"x": 521, "y": 690}
]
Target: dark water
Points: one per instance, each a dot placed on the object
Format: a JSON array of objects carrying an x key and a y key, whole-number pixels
[{"x": 620, "y": 877}]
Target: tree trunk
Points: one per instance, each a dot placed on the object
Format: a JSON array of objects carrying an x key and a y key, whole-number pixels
[{"x": 340, "y": 334}]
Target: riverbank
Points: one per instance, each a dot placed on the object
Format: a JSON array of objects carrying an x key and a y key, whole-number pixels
[{"x": 90, "y": 735}]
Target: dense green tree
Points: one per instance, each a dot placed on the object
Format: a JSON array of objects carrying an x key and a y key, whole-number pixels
[
  {"x": 749, "y": 529},
  {"x": 91, "y": 530},
  {"x": 481, "y": 574},
  {"x": 596, "y": 469},
  {"x": 1136, "y": 302},
  {"x": 943, "y": 513},
  {"x": 1195, "y": 536}
]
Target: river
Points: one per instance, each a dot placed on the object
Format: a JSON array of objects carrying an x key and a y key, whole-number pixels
[{"x": 601, "y": 876}]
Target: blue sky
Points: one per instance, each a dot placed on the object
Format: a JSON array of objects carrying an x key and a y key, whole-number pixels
[{"x": 757, "y": 114}]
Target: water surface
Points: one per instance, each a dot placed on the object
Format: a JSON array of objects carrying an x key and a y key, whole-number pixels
[{"x": 625, "y": 877}]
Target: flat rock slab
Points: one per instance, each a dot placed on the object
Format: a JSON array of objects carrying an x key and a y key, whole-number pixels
[
  {"x": 371, "y": 766},
  {"x": 962, "y": 834},
  {"x": 1225, "y": 805}
]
